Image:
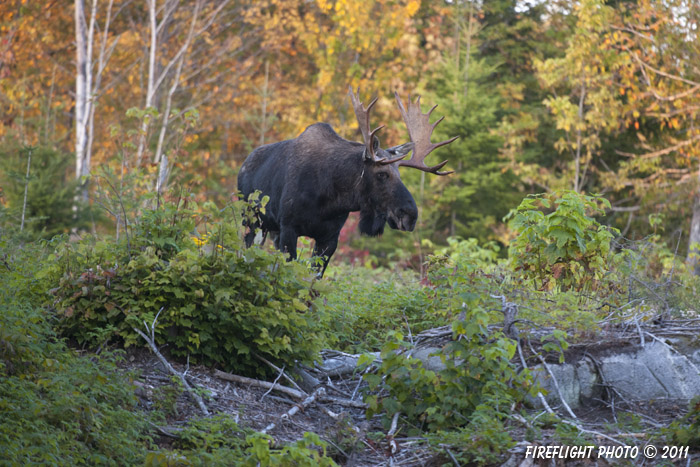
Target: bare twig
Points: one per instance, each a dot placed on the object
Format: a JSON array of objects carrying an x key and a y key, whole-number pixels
[
  {"x": 291, "y": 412},
  {"x": 280, "y": 371},
  {"x": 274, "y": 383},
  {"x": 152, "y": 343}
]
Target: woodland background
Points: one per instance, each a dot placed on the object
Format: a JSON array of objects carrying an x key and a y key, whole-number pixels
[
  {"x": 567, "y": 231},
  {"x": 594, "y": 96}
]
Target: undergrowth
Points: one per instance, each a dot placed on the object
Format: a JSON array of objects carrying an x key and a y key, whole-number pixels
[
  {"x": 223, "y": 305},
  {"x": 57, "y": 408},
  {"x": 217, "y": 302}
]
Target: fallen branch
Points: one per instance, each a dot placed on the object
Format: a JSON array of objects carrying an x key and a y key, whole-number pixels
[
  {"x": 152, "y": 343},
  {"x": 298, "y": 395},
  {"x": 261, "y": 384},
  {"x": 274, "y": 383},
  {"x": 345, "y": 402},
  {"x": 279, "y": 370},
  {"x": 291, "y": 412},
  {"x": 163, "y": 431},
  {"x": 393, "y": 445}
]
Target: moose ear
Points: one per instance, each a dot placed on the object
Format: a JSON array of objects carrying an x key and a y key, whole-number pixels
[
  {"x": 401, "y": 150},
  {"x": 375, "y": 143}
]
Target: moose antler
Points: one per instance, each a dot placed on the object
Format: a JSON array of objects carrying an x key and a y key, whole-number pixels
[
  {"x": 420, "y": 130},
  {"x": 362, "y": 115}
]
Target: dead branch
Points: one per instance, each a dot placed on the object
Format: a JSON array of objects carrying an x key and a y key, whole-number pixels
[
  {"x": 296, "y": 394},
  {"x": 510, "y": 312},
  {"x": 556, "y": 385},
  {"x": 274, "y": 383},
  {"x": 280, "y": 371},
  {"x": 162, "y": 431},
  {"x": 291, "y": 412},
  {"x": 261, "y": 384},
  {"x": 152, "y": 344}
]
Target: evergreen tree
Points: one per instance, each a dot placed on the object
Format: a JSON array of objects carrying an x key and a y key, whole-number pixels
[
  {"x": 472, "y": 201},
  {"x": 50, "y": 191}
]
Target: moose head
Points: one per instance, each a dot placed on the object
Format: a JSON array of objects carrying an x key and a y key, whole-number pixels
[{"x": 387, "y": 198}]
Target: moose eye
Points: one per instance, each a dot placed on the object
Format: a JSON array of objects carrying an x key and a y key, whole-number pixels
[{"x": 381, "y": 176}]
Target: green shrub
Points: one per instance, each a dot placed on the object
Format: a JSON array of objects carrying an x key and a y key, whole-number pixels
[
  {"x": 565, "y": 249},
  {"x": 366, "y": 304},
  {"x": 221, "y": 303},
  {"x": 478, "y": 373},
  {"x": 686, "y": 430},
  {"x": 219, "y": 441},
  {"x": 57, "y": 408}
]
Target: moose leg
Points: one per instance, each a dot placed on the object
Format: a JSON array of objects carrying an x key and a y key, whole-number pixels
[
  {"x": 254, "y": 234},
  {"x": 324, "y": 250},
  {"x": 287, "y": 242}
]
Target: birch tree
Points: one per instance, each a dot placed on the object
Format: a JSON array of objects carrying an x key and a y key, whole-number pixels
[
  {"x": 164, "y": 81},
  {"x": 87, "y": 83},
  {"x": 83, "y": 85}
]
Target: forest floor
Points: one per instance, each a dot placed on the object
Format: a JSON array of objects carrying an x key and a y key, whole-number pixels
[{"x": 337, "y": 416}]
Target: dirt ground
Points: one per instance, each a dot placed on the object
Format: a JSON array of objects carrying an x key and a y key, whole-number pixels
[{"x": 339, "y": 419}]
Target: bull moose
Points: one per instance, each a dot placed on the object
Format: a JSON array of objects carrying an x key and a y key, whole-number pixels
[{"x": 317, "y": 179}]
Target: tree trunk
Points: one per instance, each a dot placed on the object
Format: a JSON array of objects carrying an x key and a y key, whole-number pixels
[
  {"x": 81, "y": 88},
  {"x": 84, "y": 40},
  {"x": 694, "y": 238},
  {"x": 160, "y": 157},
  {"x": 151, "y": 87}
]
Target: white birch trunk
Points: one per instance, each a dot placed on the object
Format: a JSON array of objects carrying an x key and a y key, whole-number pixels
[
  {"x": 159, "y": 157},
  {"x": 151, "y": 87},
  {"x": 81, "y": 87},
  {"x": 84, "y": 39}
]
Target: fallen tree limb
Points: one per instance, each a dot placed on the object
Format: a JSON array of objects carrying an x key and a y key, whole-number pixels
[
  {"x": 345, "y": 402},
  {"x": 261, "y": 384},
  {"x": 279, "y": 370},
  {"x": 152, "y": 343},
  {"x": 286, "y": 390},
  {"x": 291, "y": 412},
  {"x": 162, "y": 431}
]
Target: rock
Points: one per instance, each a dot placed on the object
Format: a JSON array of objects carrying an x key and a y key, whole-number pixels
[
  {"x": 432, "y": 363},
  {"x": 577, "y": 383},
  {"x": 653, "y": 372},
  {"x": 588, "y": 380}
]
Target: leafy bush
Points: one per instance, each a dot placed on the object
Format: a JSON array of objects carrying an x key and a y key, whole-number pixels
[
  {"x": 221, "y": 303},
  {"x": 57, "y": 408},
  {"x": 477, "y": 374},
  {"x": 686, "y": 430},
  {"x": 366, "y": 304},
  {"x": 467, "y": 401},
  {"x": 565, "y": 249}
]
